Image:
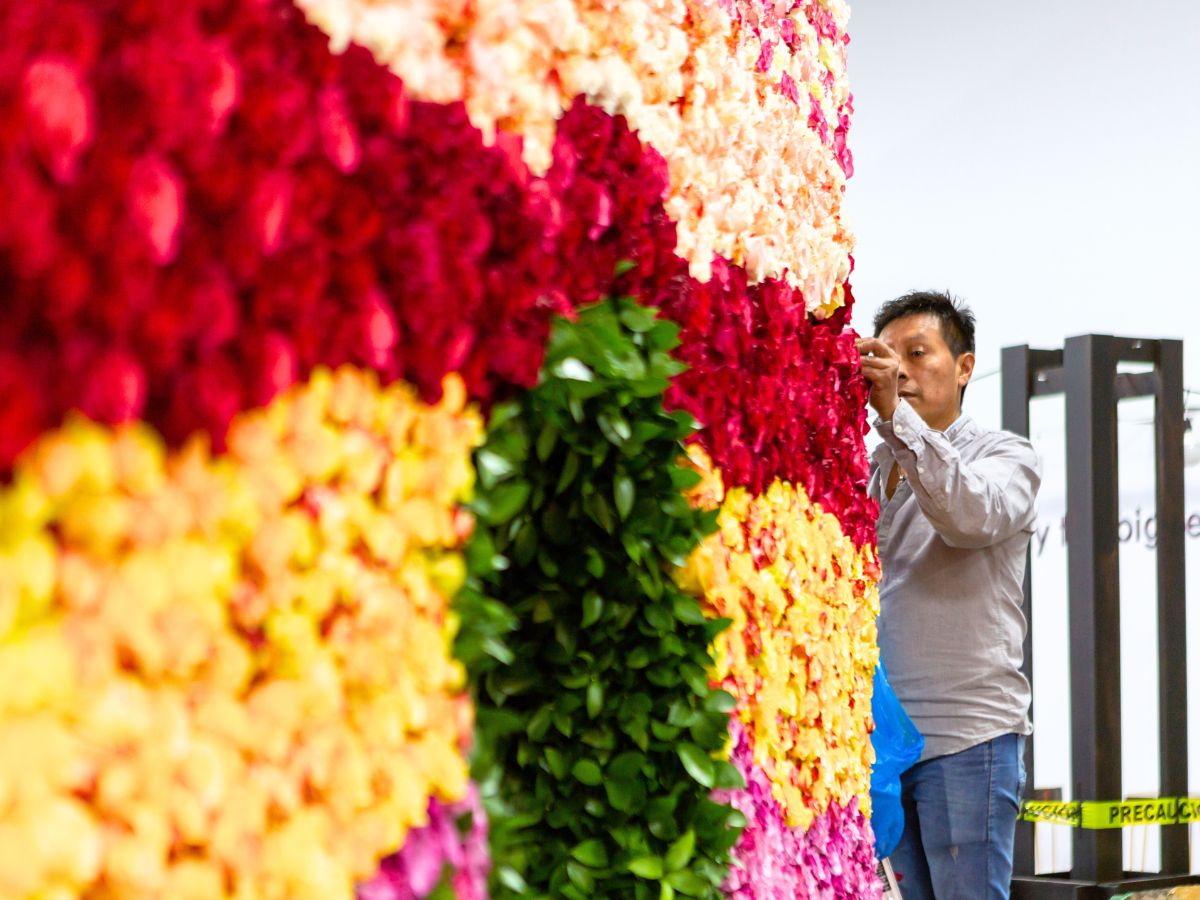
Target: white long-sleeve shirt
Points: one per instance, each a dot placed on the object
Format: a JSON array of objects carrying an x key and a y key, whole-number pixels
[{"x": 953, "y": 541}]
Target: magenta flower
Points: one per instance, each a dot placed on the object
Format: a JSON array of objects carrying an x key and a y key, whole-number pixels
[
  {"x": 833, "y": 859},
  {"x": 419, "y": 866}
]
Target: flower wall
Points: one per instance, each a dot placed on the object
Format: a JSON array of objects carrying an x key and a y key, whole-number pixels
[{"x": 349, "y": 352}]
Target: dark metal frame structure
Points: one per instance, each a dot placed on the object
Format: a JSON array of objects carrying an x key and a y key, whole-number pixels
[{"x": 1086, "y": 371}]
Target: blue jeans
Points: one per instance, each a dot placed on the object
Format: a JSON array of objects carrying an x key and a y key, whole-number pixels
[{"x": 960, "y": 814}]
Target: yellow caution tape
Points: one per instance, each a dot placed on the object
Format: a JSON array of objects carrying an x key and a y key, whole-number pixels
[
  {"x": 1189, "y": 809},
  {"x": 1121, "y": 814},
  {"x": 1055, "y": 812}
]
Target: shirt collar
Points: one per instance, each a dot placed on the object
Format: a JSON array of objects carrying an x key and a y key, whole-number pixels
[{"x": 963, "y": 425}]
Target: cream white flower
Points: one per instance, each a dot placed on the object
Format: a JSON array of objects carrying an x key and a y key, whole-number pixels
[{"x": 749, "y": 179}]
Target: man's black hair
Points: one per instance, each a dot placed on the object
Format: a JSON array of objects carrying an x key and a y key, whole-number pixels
[{"x": 956, "y": 318}]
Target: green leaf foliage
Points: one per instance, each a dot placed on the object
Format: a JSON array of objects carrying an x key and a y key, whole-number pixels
[{"x": 596, "y": 727}]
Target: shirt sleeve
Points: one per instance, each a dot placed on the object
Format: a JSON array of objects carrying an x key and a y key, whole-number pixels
[{"x": 969, "y": 505}]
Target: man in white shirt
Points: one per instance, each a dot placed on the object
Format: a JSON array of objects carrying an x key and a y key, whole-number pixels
[{"x": 956, "y": 511}]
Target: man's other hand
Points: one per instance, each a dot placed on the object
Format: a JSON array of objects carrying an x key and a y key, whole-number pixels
[{"x": 881, "y": 366}]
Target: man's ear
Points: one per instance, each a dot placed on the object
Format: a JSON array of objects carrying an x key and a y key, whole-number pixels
[{"x": 964, "y": 367}]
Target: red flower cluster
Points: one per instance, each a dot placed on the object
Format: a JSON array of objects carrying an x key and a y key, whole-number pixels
[
  {"x": 201, "y": 203},
  {"x": 780, "y": 396},
  {"x": 607, "y": 193}
]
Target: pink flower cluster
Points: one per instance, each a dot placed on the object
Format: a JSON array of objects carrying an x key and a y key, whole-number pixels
[
  {"x": 430, "y": 852},
  {"x": 832, "y": 859}
]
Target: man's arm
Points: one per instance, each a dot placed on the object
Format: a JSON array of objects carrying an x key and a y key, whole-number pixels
[{"x": 969, "y": 504}]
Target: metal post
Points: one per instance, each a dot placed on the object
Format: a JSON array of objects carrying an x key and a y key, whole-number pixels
[
  {"x": 1089, "y": 364},
  {"x": 1172, "y": 610},
  {"x": 1016, "y": 375},
  {"x": 1086, "y": 372}
]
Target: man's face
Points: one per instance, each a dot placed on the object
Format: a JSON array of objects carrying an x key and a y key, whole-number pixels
[{"x": 931, "y": 379}]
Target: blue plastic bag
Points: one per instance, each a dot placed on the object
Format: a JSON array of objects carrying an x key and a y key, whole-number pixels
[{"x": 897, "y": 745}]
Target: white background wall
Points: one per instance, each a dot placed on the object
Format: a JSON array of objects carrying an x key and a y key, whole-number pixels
[{"x": 1042, "y": 161}]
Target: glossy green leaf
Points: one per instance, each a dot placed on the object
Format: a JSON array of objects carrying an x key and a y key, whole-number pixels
[
  {"x": 492, "y": 467},
  {"x": 525, "y": 545},
  {"x": 636, "y": 318},
  {"x": 546, "y": 441},
  {"x": 684, "y": 479},
  {"x": 599, "y": 510},
  {"x": 591, "y": 853},
  {"x": 556, "y": 763},
  {"x": 726, "y": 776},
  {"x": 595, "y": 699},
  {"x": 689, "y": 883},
  {"x": 698, "y": 763},
  {"x": 593, "y": 607},
  {"x": 647, "y": 867},
  {"x": 680, "y": 853},
  {"x": 539, "y": 724},
  {"x": 626, "y": 766},
  {"x": 505, "y": 501},
  {"x": 632, "y": 545},
  {"x": 614, "y": 427},
  {"x": 581, "y": 877},
  {"x": 720, "y": 701},
  {"x": 511, "y": 879},
  {"x": 568, "y": 474},
  {"x": 587, "y": 771},
  {"x": 659, "y": 618},
  {"x": 572, "y": 369},
  {"x": 623, "y": 494},
  {"x": 639, "y": 658},
  {"x": 687, "y": 610},
  {"x": 595, "y": 563},
  {"x": 627, "y": 796}
]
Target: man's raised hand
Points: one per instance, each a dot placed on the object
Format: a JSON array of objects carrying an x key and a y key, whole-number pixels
[{"x": 881, "y": 366}]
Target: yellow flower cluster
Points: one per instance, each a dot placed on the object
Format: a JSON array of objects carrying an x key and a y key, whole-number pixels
[
  {"x": 230, "y": 676},
  {"x": 801, "y": 652},
  {"x": 750, "y": 180}
]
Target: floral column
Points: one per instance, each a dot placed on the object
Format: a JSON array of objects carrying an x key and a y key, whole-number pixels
[{"x": 274, "y": 275}]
